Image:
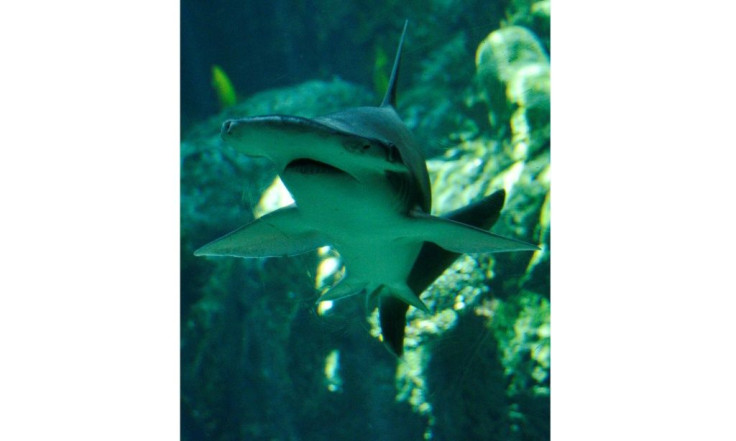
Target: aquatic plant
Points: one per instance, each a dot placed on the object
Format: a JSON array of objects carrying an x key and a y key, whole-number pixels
[
  {"x": 380, "y": 71},
  {"x": 223, "y": 87}
]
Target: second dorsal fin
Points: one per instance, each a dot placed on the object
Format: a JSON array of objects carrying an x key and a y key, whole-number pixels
[{"x": 390, "y": 98}]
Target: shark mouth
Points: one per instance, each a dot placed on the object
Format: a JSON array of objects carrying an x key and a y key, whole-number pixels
[{"x": 307, "y": 166}]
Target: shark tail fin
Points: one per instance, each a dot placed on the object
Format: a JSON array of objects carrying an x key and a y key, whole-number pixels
[{"x": 390, "y": 98}]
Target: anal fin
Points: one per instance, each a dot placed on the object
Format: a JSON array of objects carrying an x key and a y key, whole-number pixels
[
  {"x": 403, "y": 293},
  {"x": 345, "y": 288}
]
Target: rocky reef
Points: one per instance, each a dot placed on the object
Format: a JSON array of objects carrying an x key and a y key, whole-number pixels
[{"x": 261, "y": 361}]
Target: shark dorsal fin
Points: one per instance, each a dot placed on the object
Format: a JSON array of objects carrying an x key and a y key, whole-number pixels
[{"x": 390, "y": 98}]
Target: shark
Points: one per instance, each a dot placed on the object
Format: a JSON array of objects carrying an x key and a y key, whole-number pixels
[{"x": 360, "y": 185}]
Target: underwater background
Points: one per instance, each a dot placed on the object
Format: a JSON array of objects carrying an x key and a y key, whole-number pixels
[{"x": 261, "y": 361}]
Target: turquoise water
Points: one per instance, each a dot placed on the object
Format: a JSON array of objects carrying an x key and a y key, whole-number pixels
[{"x": 259, "y": 358}]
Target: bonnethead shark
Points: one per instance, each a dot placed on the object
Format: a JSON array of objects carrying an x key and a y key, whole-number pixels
[{"x": 360, "y": 185}]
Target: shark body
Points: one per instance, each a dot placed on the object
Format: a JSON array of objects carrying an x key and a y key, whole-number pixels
[{"x": 360, "y": 184}]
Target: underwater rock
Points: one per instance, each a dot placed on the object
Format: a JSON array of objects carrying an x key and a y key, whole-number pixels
[
  {"x": 496, "y": 308},
  {"x": 505, "y": 51},
  {"x": 468, "y": 299},
  {"x": 513, "y": 69},
  {"x": 432, "y": 108},
  {"x": 533, "y": 15},
  {"x": 541, "y": 10}
]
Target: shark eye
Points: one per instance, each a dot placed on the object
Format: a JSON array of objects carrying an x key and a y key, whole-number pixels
[
  {"x": 366, "y": 146},
  {"x": 392, "y": 153}
]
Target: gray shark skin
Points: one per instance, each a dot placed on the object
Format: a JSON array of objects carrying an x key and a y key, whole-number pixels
[{"x": 360, "y": 185}]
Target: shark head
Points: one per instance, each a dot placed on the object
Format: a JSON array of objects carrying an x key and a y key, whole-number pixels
[
  {"x": 360, "y": 141},
  {"x": 360, "y": 185}
]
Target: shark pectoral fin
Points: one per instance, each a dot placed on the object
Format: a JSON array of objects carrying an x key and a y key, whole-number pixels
[
  {"x": 462, "y": 238},
  {"x": 279, "y": 233}
]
